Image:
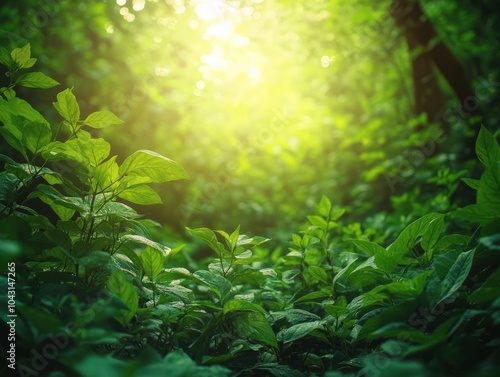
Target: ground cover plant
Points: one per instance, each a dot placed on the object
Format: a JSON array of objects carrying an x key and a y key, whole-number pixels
[{"x": 96, "y": 284}]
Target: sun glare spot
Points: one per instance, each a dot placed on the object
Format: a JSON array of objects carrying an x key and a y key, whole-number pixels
[
  {"x": 138, "y": 5},
  {"x": 254, "y": 73},
  {"x": 219, "y": 30},
  {"x": 208, "y": 10},
  {"x": 215, "y": 59},
  {"x": 121, "y": 2}
]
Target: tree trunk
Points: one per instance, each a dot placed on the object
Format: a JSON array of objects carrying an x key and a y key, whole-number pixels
[{"x": 420, "y": 34}]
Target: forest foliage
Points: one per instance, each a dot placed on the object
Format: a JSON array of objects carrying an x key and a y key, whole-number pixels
[{"x": 301, "y": 219}]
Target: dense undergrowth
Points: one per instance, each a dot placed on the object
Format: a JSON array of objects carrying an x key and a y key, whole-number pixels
[{"x": 96, "y": 295}]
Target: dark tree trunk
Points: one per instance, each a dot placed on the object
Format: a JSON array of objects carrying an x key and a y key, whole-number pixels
[{"x": 430, "y": 54}]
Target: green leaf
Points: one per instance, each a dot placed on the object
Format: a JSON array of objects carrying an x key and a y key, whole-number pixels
[
  {"x": 12, "y": 137},
  {"x": 106, "y": 175},
  {"x": 5, "y": 58},
  {"x": 36, "y": 136},
  {"x": 21, "y": 56},
  {"x": 489, "y": 291},
  {"x": 482, "y": 213},
  {"x": 300, "y": 330},
  {"x": 456, "y": 275},
  {"x": 77, "y": 204},
  {"x": 9, "y": 93},
  {"x": 63, "y": 212},
  {"x": 136, "y": 239},
  {"x": 408, "y": 237},
  {"x": 325, "y": 206},
  {"x": 101, "y": 119},
  {"x": 36, "y": 80},
  {"x": 151, "y": 165},
  {"x": 9, "y": 184},
  {"x": 218, "y": 284},
  {"x": 318, "y": 273},
  {"x": 125, "y": 290},
  {"x": 254, "y": 325},
  {"x": 432, "y": 234},
  {"x": 67, "y": 106},
  {"x": 152, "y": 262},
  {"x": 370, "y": 248},
  {"x": 487, "y": 148},
  {"x": 472, "y": 183},
  {"x": 89, "y": 151},
  {"x": 141, "y": 194},
  {"x": 317, "y": 221},
  {"x": 208, "y": 236},
  {"x": 489, "y": 189},
  {"x": 21, "y": 108},
  {"x": 233, "y": 305}
]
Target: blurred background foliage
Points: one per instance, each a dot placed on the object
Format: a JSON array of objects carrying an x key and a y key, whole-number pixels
[{"x": 268, "y": 104}]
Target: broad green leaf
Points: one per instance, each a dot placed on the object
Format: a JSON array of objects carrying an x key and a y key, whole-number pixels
[
  {"x": 208, "y": 236},
  {"x": 178, "y": 291},
  {"x": 370, "y": 248},
  {"x": 77, "y": 204},
  {"x": 312, "y": 297},
  {"x": 300, "y": 330},
  {"x": 141, "y": 194},
  {"x": 5, "y": 58},
  {"x": 36, "y": 80},
  {"x": 254, "y": 325},
  {"x": 101, "y": 119},
  {"x": 337, "y": 213},
  {"x": 233, "y": 305},
  {"x": 140, "y": 240},
  {"x": 394, "y": 329},
  {"x": 482, "y": 213},
  {"x": 117, "y": 210},
  {"x": 63, "y": 212},
  {"x": 488, "y": 291},
  {"x": 218, "y": 284},
  {"x": 30, "y": 63},
  {"x": 489, "y": 189},
  {"x": 472, "y": 183},
  {"x": 21, "y": 56},
  {"x": 13, "y": 138},
  {"x": 106, "y": 175},
  {"x": 93, "y": 151},
  {"x": 368, "y": 272},
  {"x": 487, "y": 148},
  {"x": 325, "y": 206},
  {"x": 151, "y": 165},
  {"x": 318, "y": 273},
  {"x": 294, "y": 316},
  {"x": 125, "y": 290},
  {"x": 67, "y": 106},
  {"x": 152, "y": 262},
  {"x": 456, "y": 275},
  {"x": 9, "y": 184},
  {"x": 408, "y": 237},
  {"x": 36, "y": 136},
  {"x": 132, "y": 255},
  {"x": 9, "y": 93},
  {"x": 317, "y": 221},
  {"x": 95, "y": 259},
  {"x": 432, "y": 234},
  {"x": 21, "y": 108}
]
